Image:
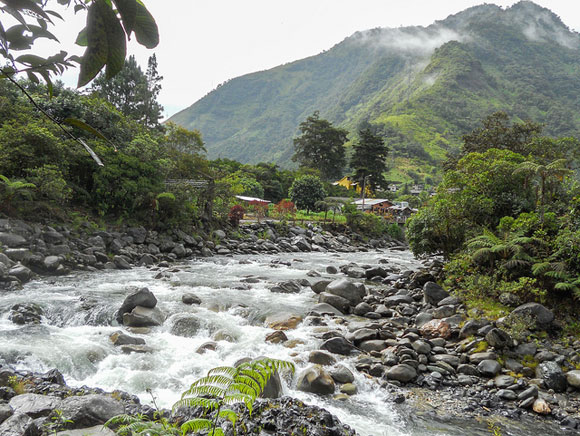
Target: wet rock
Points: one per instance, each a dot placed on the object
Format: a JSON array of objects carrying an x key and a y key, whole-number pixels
[
  {"x": 283, "y": 321},
  {"x": 530, "y": 392},
  {"x": 346, "y": 289},
  {"x": 185, "y": 325},
  {"x": 97, "y": 430},
  {"x": 349, "y": 389},
  {"x": 395, "y": 300},
  {"x": 287, "y": 287},
  {"x": 190, "y": 299},
  {"x": 276, "y": 337},
  {"x": 433, "y": 293},
  {"x": 498, "y": 339},
  {"x": 207, "y": 346},
  {"x": 362, "y": 309},
  {"x": 373, "y": 345},
  {"x": 21, "y": 272},
  {"x": 341, "y": 374},
  {"x": 573, "y": 378},
  {"x": 479, "y": 357},
  {"x": 320, "y": 286},
  {"x": 34, "y": 405},
  {"x": 141, "y": 297},
  {"x": 375, "y": 272},
  {"x": 444, "y": 312},
  {"x": 419, "y": 278},
  {"x": 506, "y": 394},
  {"x": 338, "y": 345},
  {"x": 119, "y": 338},
  {"x": 356, "y": 273},
  {"x": 422, "y": 318},
  {"x": 5, "y": 412},
  {"x": 121, "y": 262},
  {"x": 503, "y": 381},
  {"x": 552, "y": 375},
  {"x": 143, "y": 317},
  {"x": 51, "y": 263},
  {"x": 421, "y": 347},
  {"x": 436, "y": 328},
  {"x": 541, "y": 407},
  {"x": 315, "y": 380},
  {"x": 467, "y": 369},
  {"x": 140, "y": 349},
  {"x": 224, "y": 335},
  {"x": 403, "y": 373},
  {"x": 321, "y": 358},
  {"x": 360, "y": 335},
  {"x": 90, "y": 410},
  {"x": 448, "y": 359},
  {"x": 19, "y": 424},
  {"x": 339, "y": 303},
  {"x": 331, "y": 269},
  {"x": 489, "y": 368},
  {"x": 25, "y": 313},
  {"x": 325, "y": 309}
]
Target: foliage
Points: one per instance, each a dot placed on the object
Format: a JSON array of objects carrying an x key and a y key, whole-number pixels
[
  {"x": 285, "y": 209},
  {"x": 50, "y": 183},
  {"x": 11, "y": 191},
  {"x": 133, "y": 92},
  {"x": 235, "y": 215},
  {"x": 321, "y": 146},
  {"x": 183, "y": 140},
  {"x": 306, "y": 191},
  {"x": 221, "y": 387},
  {"x": 369, "y": 159},
  {"x": 365, "y": 223},
  {"x": 108, "y": 26}
]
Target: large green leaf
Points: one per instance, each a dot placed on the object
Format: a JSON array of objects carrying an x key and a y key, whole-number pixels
[
  {"x": 84, "y": 126},
  {"x": 145, "y": 27},
  {"x": 128, "y": 11},
  {"x": 117, "y": 43},
  {"x": 29, "y": 5}
]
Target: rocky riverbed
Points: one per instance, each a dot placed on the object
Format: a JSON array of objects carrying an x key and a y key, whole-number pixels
[{"x": 364, "y": 333}]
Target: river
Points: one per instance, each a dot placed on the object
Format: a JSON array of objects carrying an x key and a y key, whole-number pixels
[{"x": 79, "y": 311}]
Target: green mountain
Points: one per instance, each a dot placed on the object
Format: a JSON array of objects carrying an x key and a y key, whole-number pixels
[{"x": 426, "y": 87}]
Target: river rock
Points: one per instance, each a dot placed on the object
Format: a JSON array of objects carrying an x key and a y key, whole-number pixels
[
  {"x": 321, "y": 358},
  {"x": 541, "y": 407},
  {"x": 287, "y": 287},
  {"x": 283, "y": 321},
  {"x": 552, "y": 375},
  {"x": 19, "y": 424},
  {"x": 433, "y": 293},
  {"x": 338, "y": 345},
  {"x": 419, "y": 278},
  {"x": 119, "y": 338},
  {"x": 121, "y": 262},
  {"x": 141, "y": 297},
  {"x": 97, "y": 430},
  {"x": 503, "y": 381},
  {"x": 349, "y": 389},
  {"x": 143, "y": 317},
  {"x": 498, "y": 339},
  {"x": 376, "y": 271},
  {"x": 90, "y": 410},
  {"x": 5, "y": 412},
  {"x": 339, "y": 303},
  {"x": 11, "y": 240},
  {"x": 479, "y": 357},
  {"x": 139, "y": 349},
  {"x": 21, "y": 272},
  {"x": 341, "y": 374},
  {"x": 403, "y": 373},
  {"x": 34, "y": 405},
  {"x": 531, "y": 392},
  {"x": 319, "y": 286},
  {"x": 25, "y": 313},
  {"x": 362, "y": 309},
  {"x": 360, "y": 335},
  {"x": 573, "y": 378},
  {"x": 315, "y": 380},
  {"x": 422, "y": 318},
  {"x": 436, "y": 328},
  {"x": 538, "y": 313},
  {"x": 207, "y": 346},
  {"x": 395, "y": 300},
  {"x": 489, "y": 368},
  {"x": 190, "y": 299},
  {"x": 325, "y": 309},
  {"x": 356, "y": 273},
  {"x": 346, "y": 289},
  {"x": 185, "y": 325}
]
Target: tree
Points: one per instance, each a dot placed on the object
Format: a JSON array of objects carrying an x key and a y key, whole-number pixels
[
  {"x": 369, "y": 159},
  {"x": 306, "y": 191},
  {"x": 321, "y": 146},
  {"x": 183, "y": 140},
  {"x": 133, "y": 92}
]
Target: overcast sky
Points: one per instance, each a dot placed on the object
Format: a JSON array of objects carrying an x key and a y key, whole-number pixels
[{"x": 206, "y": 42}]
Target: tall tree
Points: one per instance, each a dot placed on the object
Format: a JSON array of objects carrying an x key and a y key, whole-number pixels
[
  {"x": 321, "y": 146},
  {"x": 369, "y": 159},
  {"x": 133, "y": 92}
]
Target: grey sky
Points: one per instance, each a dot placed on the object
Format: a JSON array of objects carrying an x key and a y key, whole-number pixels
[{"x": 206, "y": 42}]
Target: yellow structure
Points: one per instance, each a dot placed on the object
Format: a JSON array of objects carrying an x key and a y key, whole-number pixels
[{"x": 349, "y": 184}]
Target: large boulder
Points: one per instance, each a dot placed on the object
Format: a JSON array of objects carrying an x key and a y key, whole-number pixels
[
  {"x": 339, "y": 303},
  {"x": 320, "y": 286},
  {"x": 346, "y": 289},
  {"x": 19, "y": 424},
  {"x": 433, "y": 293},
  {"x": 141, "y": 297},
  {"x": 143, "y": 317},
  {"x": 34, "y": 405},
  {"x": 538, "y": 314},
  {"x": 90, "y": 410},
  {"x": 11, "y": 240},
  {"x": 552, "y": 375},
  {"x": 315, "y": 380}
]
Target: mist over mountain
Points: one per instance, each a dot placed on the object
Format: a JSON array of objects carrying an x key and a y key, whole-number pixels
[{"x": 424, "y": 86}]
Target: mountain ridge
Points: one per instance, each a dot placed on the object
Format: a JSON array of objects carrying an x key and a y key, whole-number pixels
[{"x": 424, "y": 86}]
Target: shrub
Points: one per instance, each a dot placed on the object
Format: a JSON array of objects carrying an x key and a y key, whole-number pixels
[
  {"x": 235, "y": 215},
  {"x": 50, "y": 183}
]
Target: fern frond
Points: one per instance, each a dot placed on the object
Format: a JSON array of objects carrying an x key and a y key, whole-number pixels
[
  {"x": 196, "y": 425},
  {"x": 216, "y": 432},
  {"x": 229, "y": 414},
  {"x": 206, "y": 403},
  {"x": 215, "y": 379},
  {"x": 226, "y": 370},
  {"x": 214, "y": 391},
  {"x": 514, "y": 263},
  {"x": 558, "y": 275},
  {"x": 565, "y": 286},
  {"x": 541, "y": 268},
  {"x": 244, "y": 389}
]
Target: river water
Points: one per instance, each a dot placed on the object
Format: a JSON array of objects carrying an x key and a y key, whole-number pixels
[{"x": 79, "y": 312}]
